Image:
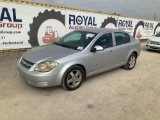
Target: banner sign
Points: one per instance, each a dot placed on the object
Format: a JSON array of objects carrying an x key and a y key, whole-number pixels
[{"x": 26, "y": 26}]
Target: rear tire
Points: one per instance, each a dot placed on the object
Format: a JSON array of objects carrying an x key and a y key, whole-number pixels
[
  {"x": 131, "y": 62},
  {"x": 73, "y": 78}
]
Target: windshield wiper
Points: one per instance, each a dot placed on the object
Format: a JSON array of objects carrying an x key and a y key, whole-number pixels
[
  {"x": 64, "y": 45},
  {"x": 55, "y": 43}
]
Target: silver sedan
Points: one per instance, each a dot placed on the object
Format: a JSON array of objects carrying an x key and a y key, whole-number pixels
[
  {"x": 153, "y": 43},
  {"x": 77, "y": 55}
]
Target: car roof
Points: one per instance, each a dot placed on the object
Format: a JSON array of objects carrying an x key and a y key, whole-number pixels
[{"x": 99, "y": 30}]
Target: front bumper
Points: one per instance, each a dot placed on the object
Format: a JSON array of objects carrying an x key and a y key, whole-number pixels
[
  {"x": 153, "y": 46},
  {"x": 41, "y": 79}
]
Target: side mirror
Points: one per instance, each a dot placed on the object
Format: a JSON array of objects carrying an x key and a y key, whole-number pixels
[{"x": 97, "y": 48}]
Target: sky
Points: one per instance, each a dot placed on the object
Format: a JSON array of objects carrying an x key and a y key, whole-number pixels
[{"x": 134, "y": 8}]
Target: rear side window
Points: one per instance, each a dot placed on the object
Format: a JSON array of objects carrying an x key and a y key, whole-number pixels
[{"x": 121, "y": 38}]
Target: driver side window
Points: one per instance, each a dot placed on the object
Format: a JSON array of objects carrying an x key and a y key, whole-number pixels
[{"x": 105, "y": 41}]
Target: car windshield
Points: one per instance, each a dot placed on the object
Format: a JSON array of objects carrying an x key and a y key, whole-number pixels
[
  {"x": 77, "y": 40},
  {"x": 158, "y": 34}
]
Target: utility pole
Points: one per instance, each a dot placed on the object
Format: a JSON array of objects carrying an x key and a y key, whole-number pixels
[{"x": 155, "y": 16}]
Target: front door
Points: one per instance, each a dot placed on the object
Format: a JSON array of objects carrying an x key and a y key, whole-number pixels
[{"x": 102, "y": 60}]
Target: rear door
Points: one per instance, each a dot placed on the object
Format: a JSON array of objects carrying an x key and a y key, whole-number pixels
[{"x": 122, "y": 48}]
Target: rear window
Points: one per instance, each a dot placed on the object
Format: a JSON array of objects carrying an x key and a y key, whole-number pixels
[{"x": 121, "y": 38}]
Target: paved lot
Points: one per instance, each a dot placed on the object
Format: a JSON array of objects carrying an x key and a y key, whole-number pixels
[{"x": 113, "y": 95}]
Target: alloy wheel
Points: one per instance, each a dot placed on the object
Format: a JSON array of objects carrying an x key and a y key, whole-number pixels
[
  {"x": 132, "y": 62},
  {"x": 74, "y": 78}
]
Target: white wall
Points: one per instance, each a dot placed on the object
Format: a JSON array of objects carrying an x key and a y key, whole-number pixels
[{"x": 24, "y": 26}]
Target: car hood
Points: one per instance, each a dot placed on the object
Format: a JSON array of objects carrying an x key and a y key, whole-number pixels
[
  {"x": 47, "y": 52},
  {"x": 154, "y": 38}
]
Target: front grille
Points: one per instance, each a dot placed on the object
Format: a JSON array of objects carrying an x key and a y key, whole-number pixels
[
  {"x": 26, "y": 63},
  {"x": 155, "y": 42},
  {"x": 155, "y": 47}
]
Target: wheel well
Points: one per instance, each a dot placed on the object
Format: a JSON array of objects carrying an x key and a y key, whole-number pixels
[
  {"x": 135, "y": 53},
  {"x": 84, "y": 69}
]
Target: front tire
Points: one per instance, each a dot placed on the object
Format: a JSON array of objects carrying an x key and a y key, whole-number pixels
[
  {"x": 131, "y": 62},
  {"x": 73, "y": 78}
]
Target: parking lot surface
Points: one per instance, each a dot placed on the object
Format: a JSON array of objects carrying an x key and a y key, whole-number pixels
[{"x": 114, "y": 95}]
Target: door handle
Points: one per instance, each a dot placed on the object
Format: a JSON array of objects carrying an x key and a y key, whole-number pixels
[{"x": 111, "y": 51}]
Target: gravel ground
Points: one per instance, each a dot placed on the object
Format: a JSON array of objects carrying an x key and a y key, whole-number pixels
[{"x": 114, "y": 95}]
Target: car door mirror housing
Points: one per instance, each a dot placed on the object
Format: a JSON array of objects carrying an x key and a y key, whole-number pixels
[{"x": 97, "y": 48}]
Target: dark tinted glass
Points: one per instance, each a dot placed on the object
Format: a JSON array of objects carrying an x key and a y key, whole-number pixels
[
  {"x": 105, "y": 41},
  {"x": 121, "y": 38}
]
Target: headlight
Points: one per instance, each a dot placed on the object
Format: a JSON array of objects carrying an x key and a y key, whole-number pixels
[
  {"x": 148, "y": 41},
  {"x": 46, "y": 66}
]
